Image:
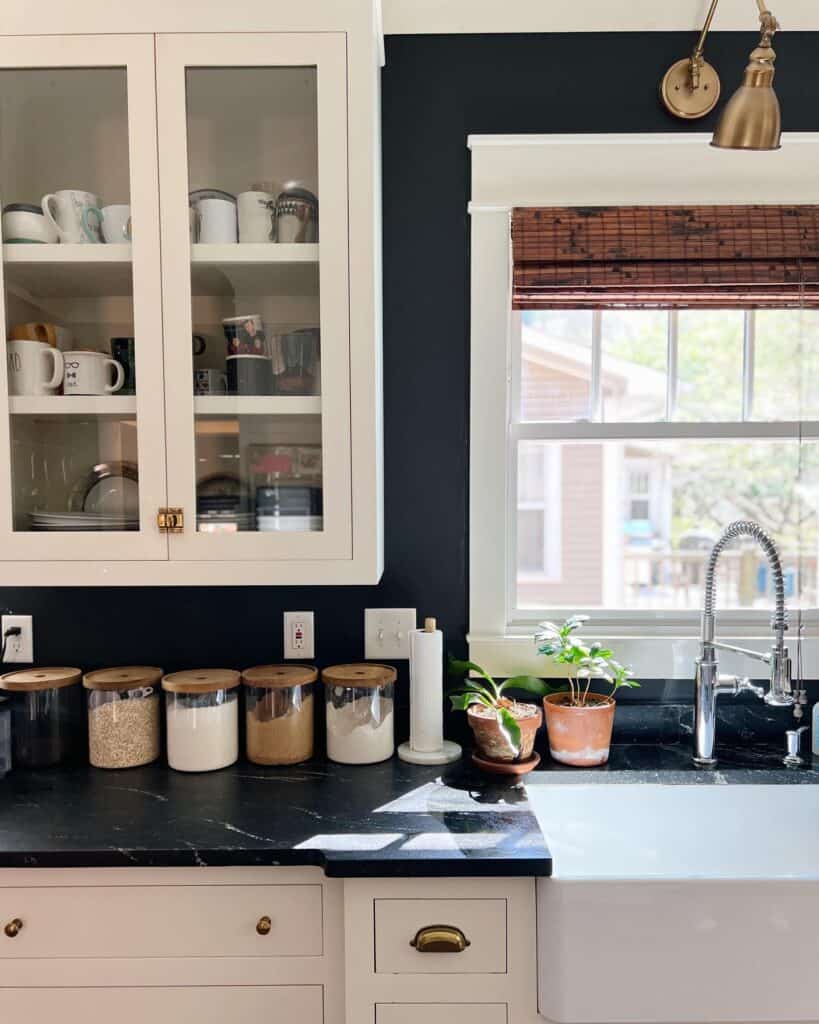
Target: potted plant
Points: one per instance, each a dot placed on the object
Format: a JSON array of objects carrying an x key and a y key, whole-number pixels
[
  {"x": 578, "y": 720},
  {"x": 504, "y": 729}
]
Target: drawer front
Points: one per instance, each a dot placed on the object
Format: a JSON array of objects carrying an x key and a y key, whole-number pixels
[
  {"x": 441, "y": 1013},
  {"x": 273, "y": 1004},
  {"x": 483, "y": 922},
  {"x": 162, "y": 921}
]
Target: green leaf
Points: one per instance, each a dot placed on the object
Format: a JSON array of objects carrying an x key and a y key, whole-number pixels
[
  {"x": 462, "y": 701},
  {"x": 531, "y": 684},
  {"x": 510, "y": 729}
]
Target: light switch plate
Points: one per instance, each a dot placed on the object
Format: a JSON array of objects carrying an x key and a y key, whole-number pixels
[
  {"x": 299, "y": 635},
  {"x": 386, "y": 632}
]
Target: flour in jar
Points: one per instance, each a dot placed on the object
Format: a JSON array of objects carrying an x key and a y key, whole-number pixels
[
  {"x": 202, "y": 735},
  {"x": 359, "y": 726}
]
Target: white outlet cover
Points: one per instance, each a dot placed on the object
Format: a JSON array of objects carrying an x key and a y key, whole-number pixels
[
  {"x": 386, "y": 632},
  {"x": 299, "y": 635},
  {"x": 19, "y": 649}
]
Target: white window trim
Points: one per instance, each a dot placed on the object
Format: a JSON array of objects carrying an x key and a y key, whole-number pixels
[{"x": 571, "y": 170}]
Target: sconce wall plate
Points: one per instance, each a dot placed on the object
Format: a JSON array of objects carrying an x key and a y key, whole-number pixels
[{"x": 684, "y": 101}]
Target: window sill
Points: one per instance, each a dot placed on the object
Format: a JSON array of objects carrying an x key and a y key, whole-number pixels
[{"x": 650, "y": 657}]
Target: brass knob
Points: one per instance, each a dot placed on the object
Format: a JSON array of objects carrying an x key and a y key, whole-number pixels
[
  {"x": 440, "y": 938},
  {"x": 263, "y": 925},
  {"x": 13, "y": 928}
]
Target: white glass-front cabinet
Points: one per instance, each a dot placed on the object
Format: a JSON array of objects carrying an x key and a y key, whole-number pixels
[{"x": 181, "y": 398}]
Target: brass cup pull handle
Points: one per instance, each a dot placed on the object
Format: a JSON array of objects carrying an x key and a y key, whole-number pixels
[
  {"x": 13, "y": 928},
  {"x": 263, "y": 925},
  {"x": 440, "y": 938}
]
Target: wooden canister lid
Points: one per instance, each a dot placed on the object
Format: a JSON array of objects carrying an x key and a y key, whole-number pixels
[
  {"x": 128, "y": 677},
  {"x": 364, "y": 674},
  {"x": 30, "y": 679},
  {"x": 279, "y": 677},
  {"x": 201, "y": 680}
]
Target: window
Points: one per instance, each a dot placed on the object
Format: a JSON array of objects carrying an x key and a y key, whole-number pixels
[
  {"x": 609, "y": 446},
  {"x": 726, "y": 392}
]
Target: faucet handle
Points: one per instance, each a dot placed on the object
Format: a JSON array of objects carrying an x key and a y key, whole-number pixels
[
  {"x": 744, "y": 685},
  {"x": 793, "y": 740}
]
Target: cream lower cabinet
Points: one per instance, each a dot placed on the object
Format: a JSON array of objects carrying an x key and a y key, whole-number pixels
[
  {"x": 278, "y": 945},
  {"x": 190, "y": 281},
  {"x": 274, "y": 1004}
]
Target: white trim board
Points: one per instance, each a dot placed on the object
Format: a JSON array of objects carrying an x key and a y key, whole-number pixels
[
  {"x": 413, "y": 17},
  {"x": 578, "y": 170}
]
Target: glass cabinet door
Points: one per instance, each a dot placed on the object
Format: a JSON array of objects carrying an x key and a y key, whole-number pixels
[
  {"x": 253, "y": 176},
  {"x": 82, "y": 428}
]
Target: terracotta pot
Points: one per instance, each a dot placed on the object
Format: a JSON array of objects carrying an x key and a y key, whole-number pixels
[
  {"x": 579, "y": 736},
  {"x": 491, "y": 742}
]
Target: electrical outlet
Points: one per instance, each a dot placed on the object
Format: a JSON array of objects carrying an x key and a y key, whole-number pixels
[
  {"x": 386, "y": 632},
  {"x": 19, "y": 648},
  {"x": 299, "y": 635}
]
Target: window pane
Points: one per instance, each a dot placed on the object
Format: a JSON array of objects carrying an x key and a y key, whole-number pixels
[
  {"x": 555, "y": 364},
  {"x": 633, "y": 368},
  {"x": 646, "y": 549},
  {"x": 710, "y": 365},
  {"x": 530, "y": 540},
  {"x": 786, "y": 364}
]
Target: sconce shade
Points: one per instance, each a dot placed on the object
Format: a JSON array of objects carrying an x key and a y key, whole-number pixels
[{"x": 751, "y": 118}]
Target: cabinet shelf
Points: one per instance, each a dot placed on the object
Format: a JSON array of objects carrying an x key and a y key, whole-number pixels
[
  {"x": 254, "y": 269},
  {"x": 69, "y": 271},
  {"x": 262, "y": 405},
  {"x": 73, "y": 405}
]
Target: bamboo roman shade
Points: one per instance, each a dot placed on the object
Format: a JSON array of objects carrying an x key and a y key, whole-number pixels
[{"x": 608, "y": 257}]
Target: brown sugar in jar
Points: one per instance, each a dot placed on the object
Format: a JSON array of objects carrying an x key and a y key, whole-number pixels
[{"x": 279, "y": 713}]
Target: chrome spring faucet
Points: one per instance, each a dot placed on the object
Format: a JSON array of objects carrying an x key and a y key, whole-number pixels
[{"x": 709, "y": 684}]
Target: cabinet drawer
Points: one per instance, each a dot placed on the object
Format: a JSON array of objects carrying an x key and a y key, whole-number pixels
[
  {"x": 162, "y": 921},
  {"x": 273, "y": 1004},
  {"x": 483, "y": 922},
  {"x": 440, "y": 1013}
]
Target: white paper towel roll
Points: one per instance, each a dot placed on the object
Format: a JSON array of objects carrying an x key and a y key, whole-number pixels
[{"x": 426, "y": 690}]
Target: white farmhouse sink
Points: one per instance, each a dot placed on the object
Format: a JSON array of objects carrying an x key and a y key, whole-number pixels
[{"x": 680, "y": 903}]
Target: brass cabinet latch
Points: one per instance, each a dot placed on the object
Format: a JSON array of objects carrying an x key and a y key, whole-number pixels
[
  {"x": 13, "y": 928},
  {"x": 440, "y": 938},
  {"x": 171, "y": 520}
]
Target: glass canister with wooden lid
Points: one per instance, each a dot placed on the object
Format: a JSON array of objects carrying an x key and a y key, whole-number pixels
[
  {"x": 359, "y": 703},
  {"x": 202, "y": 718},
  {"x": 279, "y": 713},
  {"x": 47, "y": 718},
  {"x": 123, "y": 716}
]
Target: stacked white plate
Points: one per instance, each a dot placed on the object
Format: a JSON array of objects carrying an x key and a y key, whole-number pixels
[{"x": 85, "y": 522}]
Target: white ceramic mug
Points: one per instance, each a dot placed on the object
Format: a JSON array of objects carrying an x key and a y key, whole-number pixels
[
  {"x": 74, "y": 214},
  {"x": 23, "y": 222},
  {"x": 257, "y": 217},
  {"x": 86, "y": 373},
  {"x": 217, "y": 221},
  {"x": 116, "y": 223},
  {"x": 34, "y": 368}
]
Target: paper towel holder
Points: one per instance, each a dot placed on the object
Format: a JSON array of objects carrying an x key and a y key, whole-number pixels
[{"x": 448, "y": 751}]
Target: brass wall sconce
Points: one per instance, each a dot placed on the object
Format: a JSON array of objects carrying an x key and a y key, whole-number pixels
[{"x": 751, "y": 119}]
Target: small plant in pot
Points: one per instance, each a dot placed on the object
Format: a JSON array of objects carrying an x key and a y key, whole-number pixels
[
  {"x": 504, "y": 729},
  {"x": 579, "y": 721}
]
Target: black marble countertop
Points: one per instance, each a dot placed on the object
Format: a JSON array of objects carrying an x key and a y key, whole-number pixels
[{"x": 386, "y": 820}]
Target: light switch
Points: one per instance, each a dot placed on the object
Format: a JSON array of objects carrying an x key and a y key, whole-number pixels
[{"x": 386, "y": 632}]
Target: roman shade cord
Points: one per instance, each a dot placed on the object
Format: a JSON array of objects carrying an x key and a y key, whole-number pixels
[{"x": 670, "y": 257}]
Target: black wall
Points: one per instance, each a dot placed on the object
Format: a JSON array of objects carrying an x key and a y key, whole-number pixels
[{"x": 436, "y": 90}]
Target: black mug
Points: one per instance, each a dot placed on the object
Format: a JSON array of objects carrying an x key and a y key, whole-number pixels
[
  {"x": 122, "y": 349},
  {"x": 249, "y": 375}
]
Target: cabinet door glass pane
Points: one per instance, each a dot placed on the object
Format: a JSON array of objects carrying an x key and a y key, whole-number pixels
[
  {"x": 71, "y": 354},
  {"x": 252, "y": 137}
]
